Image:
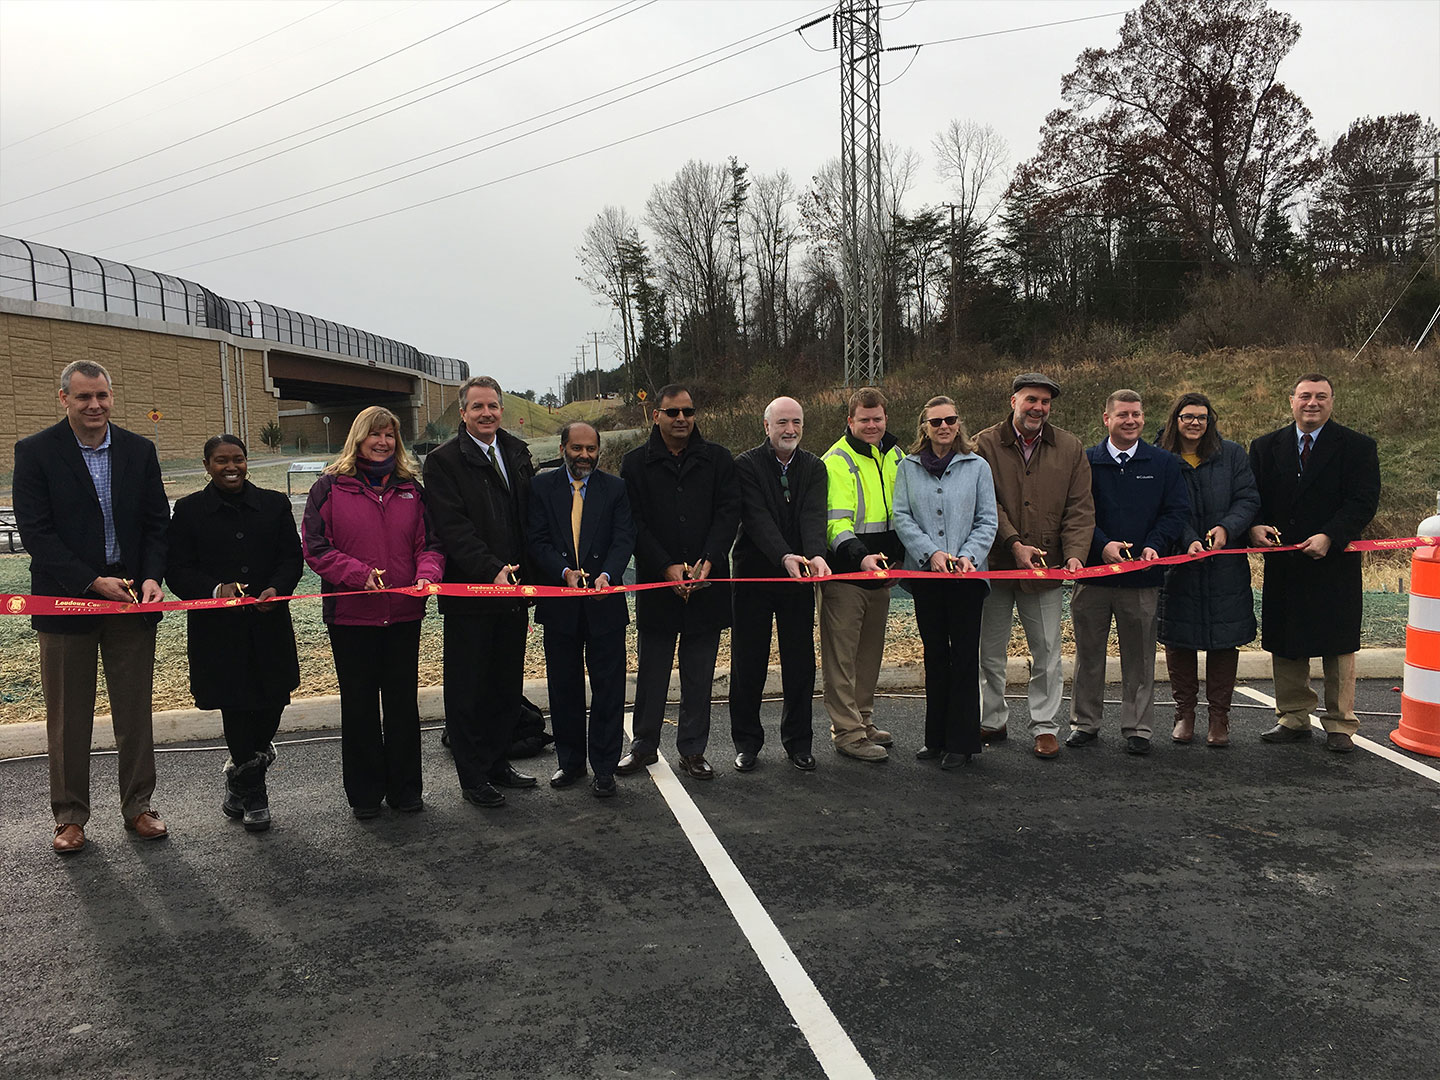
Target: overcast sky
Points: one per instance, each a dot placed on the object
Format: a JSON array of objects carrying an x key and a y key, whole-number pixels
[{"x": 488, "y": 275}]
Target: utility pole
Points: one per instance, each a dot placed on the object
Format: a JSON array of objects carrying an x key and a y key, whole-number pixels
[
  {"x": 595, "y": 334},
  {"x": 857, "y": 33},
  {"x": 1435, "y": 206}
]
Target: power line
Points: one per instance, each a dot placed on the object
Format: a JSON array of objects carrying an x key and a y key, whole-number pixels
[
  {"x": 463, "y": 142},
  {"x": 515, "y": 175},
  {"x": 171, "y": 78},
  {"x": 267, "y": 108},
  {"x": 329, "y": 134},
  {"x": 249, "y": 76},
  {"x": 1011, "y": 30}
]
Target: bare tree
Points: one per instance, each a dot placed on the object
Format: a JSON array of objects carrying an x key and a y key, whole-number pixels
[
  {"x": 606, "y": 267},
  {"x": 696, "y": 259},
  {"x": 971, "y": 159},
  {"x": 771, "y": 234}
]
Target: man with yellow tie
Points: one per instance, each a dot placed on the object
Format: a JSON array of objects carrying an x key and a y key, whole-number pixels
[{"x": 581, "y": 536}]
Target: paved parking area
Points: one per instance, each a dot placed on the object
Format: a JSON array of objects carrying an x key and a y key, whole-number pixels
[{"x": 1264, "y": 909}]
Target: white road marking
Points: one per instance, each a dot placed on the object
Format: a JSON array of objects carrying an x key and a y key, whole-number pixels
[
  {"x": 832, "y": 1047},
  {"x": 1378, "y": 749}
]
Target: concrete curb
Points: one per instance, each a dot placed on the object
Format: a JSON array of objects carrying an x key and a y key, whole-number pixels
[{"x": 323, "y": 713}]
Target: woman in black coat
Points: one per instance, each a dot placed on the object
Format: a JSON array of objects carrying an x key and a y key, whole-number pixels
[
  {"x": 1208, "y": 604},
  {"x": 233, "y": 539}
]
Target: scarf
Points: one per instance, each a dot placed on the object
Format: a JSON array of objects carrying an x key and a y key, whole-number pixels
[
  {"x": 375, "y": 473},
  {"x": 935, "y": 466}
]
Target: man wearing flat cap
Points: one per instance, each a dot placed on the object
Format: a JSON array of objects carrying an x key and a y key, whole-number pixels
[{"x": 1047, "y": 518}]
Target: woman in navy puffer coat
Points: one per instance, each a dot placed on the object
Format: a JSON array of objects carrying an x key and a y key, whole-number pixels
[{"x": 1208, "y": 604}]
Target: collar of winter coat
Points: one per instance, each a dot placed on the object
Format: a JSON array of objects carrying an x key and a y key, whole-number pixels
[
  {"x": 1009, "y": 438},
  {"x": 864, "y": 449},
  {"x": 1100, "y": 453},
  {"x": 915, "y": 457},
  {"x": 355, "y": 483},
  {"x": 655, "y": 448},
  {"x": 503, "y": 439},
  {"x": 249, "y": 495}
]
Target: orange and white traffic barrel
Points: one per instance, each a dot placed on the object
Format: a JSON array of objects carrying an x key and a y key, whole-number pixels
[{"x": 1419, "y": 728}]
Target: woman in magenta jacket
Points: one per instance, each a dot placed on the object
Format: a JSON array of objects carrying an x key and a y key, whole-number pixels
[{"x": 365, "y": 529}]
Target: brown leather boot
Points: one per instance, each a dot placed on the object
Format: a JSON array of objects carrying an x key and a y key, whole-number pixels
[
  {"x": 1184, "y": 667},
  {"x": 1220, "y": 669}
]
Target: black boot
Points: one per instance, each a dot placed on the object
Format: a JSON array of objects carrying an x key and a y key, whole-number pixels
[
  {"x": 246, "y": 782},
  {"x": 234, "y": 805}
]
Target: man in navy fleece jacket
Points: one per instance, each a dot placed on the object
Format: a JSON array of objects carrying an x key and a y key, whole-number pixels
[{"x": 1141, "y": 507}]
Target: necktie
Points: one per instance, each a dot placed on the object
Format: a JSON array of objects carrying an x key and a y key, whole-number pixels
[
  {"x": 1305, "y": 443},
  {"x": 1122, "y": 457},
  {"x": 577, "y": 507},
  {"x": 494, "y": 455}
]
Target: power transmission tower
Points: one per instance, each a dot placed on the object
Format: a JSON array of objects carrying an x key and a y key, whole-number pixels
[
  {"x": 596, "y": 335},
  {"x": 857, "y": 34}
]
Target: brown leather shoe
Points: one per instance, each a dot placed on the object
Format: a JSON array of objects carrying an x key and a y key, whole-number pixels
[
  {"x": 878, "y": 737},
  {"x": 1339, "y": 742},
  {"x": 1219, "y": 735},
  {"x": 1047, "y": 746},
  {"x": 68, "y": 839},
  {"x": 148, "y": 826},
  {"x": 1184, "y": 729},
  {"x": 696, "y": 767},
  {"x": 989, "y": 735}
]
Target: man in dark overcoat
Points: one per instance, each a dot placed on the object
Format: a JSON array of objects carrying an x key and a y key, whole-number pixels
[
  {"x": 1319, "y": 487},
  {"x": 686, "y": 506},
  {"x": 477, "y": 490},
  {"x": 582, "y": 537},
  {"x": 92, "y": 513},
  {"x": 782, "y": 534}
]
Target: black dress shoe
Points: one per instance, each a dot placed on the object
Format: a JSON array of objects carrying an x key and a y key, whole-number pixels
[
  {"x": 745, "y": 761},
  {"x": 1081, "y": 738},
  {"x": 1282, "y": 733},
  {"x": 365, "y": 813},
  {"x": 1339, "y": 742},
  {"x": 508, "y": 777},
  {"x": 604, "y": 787},
  {"x": 953, "y": 761},
  {"x": 564, "y": 778},
  {"x": 636, "y": 761},
  {"x": 1137, "y": 744},
  {"x": 696, "y": 767},
  {"x": 445, "y": 737},
  {"x": 803, "y": 762},
  {"x": 484, "y": 795},
  {"x": 413, "y": 807},
  {"x": 927, "y": 754}
]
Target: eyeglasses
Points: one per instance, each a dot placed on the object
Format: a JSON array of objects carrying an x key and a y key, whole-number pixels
[
  {"x": 937, "y": 421},
  {"x": 1193, "y": 418},
  {"x": 672, "y": 413}
]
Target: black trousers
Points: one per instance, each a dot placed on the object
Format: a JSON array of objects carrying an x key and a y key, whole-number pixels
[
  {"x": 249, "y": 732},
  {"x": 791, "y": 608},
  {"x": 947, "y": 614},
  {"x": 652, "y": 687},
  {"x": 484, "y": 683},
  {"x": 567, "y": 656},
  {"x": 378, "y": 668}
]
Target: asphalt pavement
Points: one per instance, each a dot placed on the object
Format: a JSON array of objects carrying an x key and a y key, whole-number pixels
[{"x": 1258, "y": 910}]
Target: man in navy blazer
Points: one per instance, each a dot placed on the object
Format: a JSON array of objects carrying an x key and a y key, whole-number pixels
[
  {"x": 92, "y": 513},
  {"x": 582, "y": 537}
]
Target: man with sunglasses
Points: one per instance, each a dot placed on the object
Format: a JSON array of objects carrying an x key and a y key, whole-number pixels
[
  {"x": 860, "y": 497},
  {"x": 686, "y": 507},
  {"x": 1047, "y": 517},
  {"x": 782, "y": 534}
]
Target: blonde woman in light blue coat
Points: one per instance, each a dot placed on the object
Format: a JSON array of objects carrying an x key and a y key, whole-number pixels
[{"x": 945, "y": 516}]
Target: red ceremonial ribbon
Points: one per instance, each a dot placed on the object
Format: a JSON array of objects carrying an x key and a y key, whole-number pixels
[{"x": 22, "y": 604}]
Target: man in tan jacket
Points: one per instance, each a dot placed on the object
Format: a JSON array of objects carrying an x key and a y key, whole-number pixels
[{"x": 1047, "y": 518}]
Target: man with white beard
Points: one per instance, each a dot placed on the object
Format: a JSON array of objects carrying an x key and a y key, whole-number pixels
[{"x": 782, "y": 534}]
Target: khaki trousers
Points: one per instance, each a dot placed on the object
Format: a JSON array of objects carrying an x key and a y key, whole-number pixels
[
  {"x": 1133, "y": 610},
  {"x": 1040, "y": 616},
  {"x": 1295, "y": 700},
  {"x": 126, "y": 643},
  {"x": 852, "y": 645}
]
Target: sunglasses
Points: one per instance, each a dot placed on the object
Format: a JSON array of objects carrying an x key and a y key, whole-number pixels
[
  {"x": 672, "y": 413},
  {"x": 938, "y": 421},
  {"x": 785, "y": 485},
  {"x": 1192, "y": 418}
]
